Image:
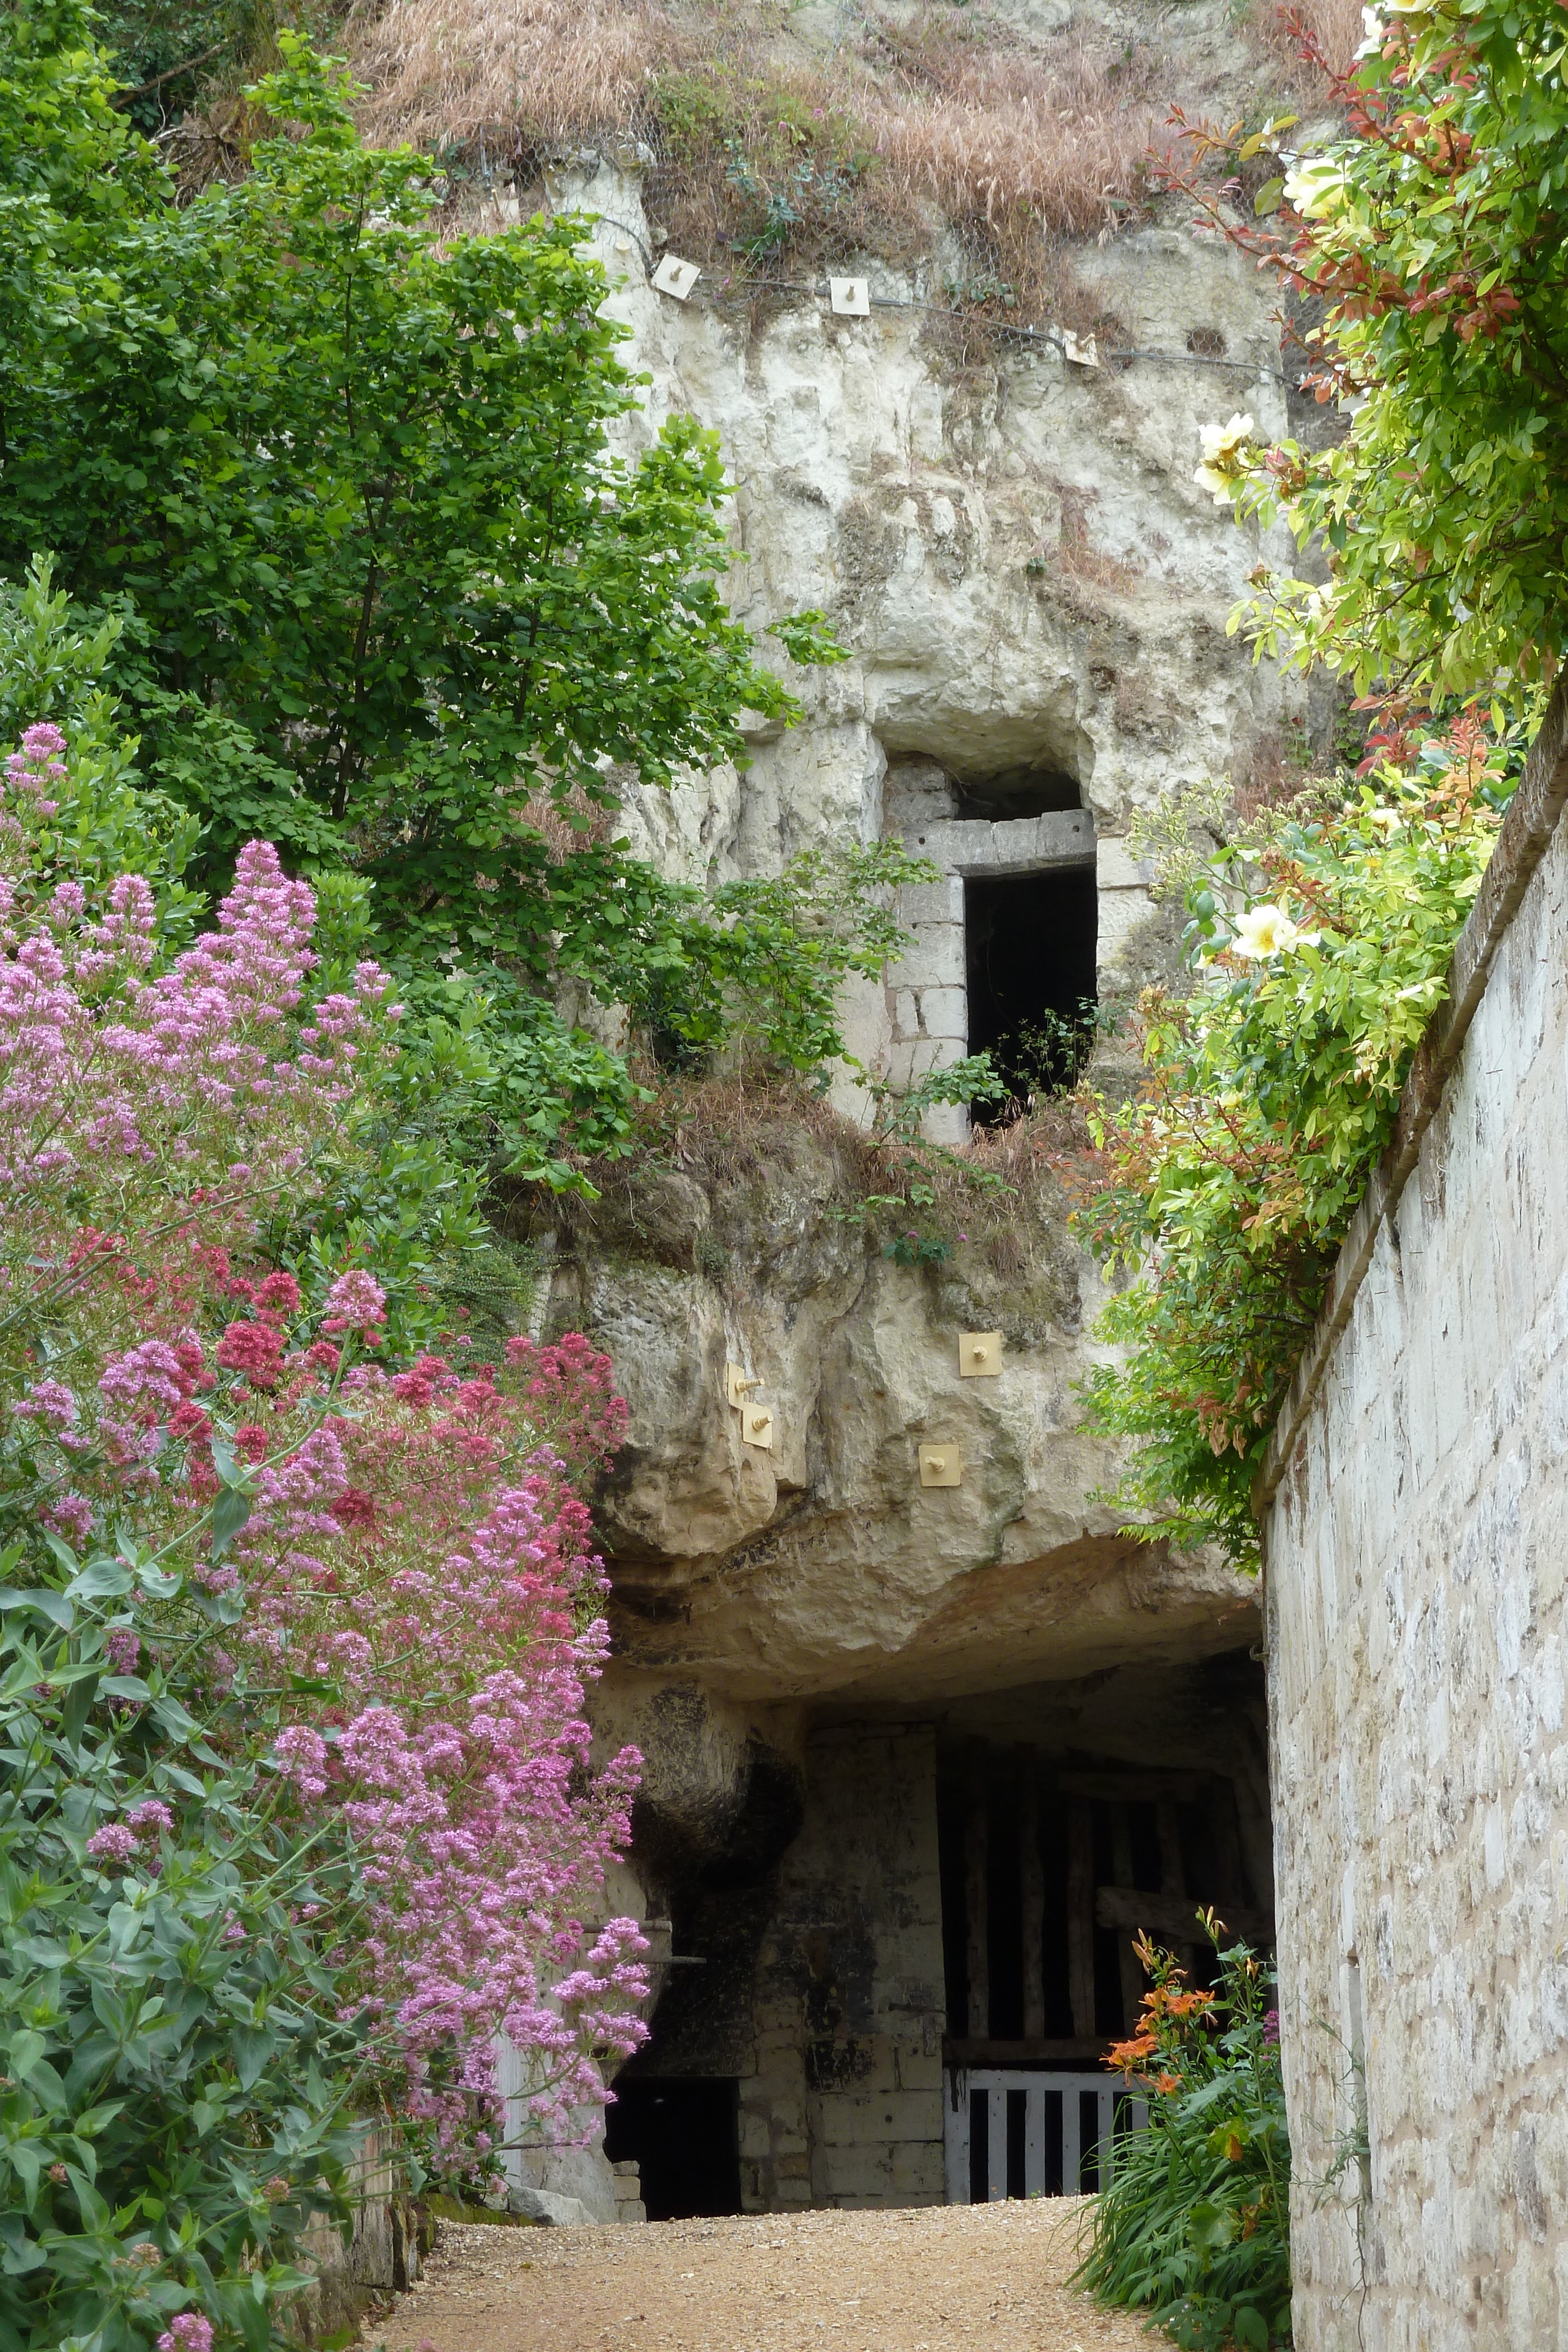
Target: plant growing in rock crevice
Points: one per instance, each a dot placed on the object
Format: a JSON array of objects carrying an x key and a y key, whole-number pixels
[{"x": 1320, "y": 949}]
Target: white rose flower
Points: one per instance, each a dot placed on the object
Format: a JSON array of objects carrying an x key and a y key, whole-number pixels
[
  {"x": 1269, "y": 931},
  {"x": 1224, "y": 457},
  {"x": 1316, "y": 187},
  {"x": 1221, "y": 441}
]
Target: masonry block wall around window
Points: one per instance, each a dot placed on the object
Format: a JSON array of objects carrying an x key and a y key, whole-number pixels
[{"x": 1004, "y": 950}]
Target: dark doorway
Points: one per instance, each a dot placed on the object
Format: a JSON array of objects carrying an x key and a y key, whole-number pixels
[
  {"x": 1030, "y": 942},
  {"x": 685, "y": 2137}
]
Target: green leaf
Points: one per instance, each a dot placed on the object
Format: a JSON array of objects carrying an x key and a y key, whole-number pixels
[
  {"x": 1210, "y": 2227},
  {"x": 52, "y": 1605},
  {"x": 62, "y": 1551},
  {"x": 252, "y": 2048},
  {"x": 100, "y": 1579},
  {"x": 78, "y": 1703},
  {"x": 230, "y": 1513}
]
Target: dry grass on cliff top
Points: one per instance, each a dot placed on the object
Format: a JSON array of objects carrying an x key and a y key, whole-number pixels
[
  {"x": 947, "y": 114},
  {"x": 1007, "y": 1192},
  {"x": 956, "y": 115}
]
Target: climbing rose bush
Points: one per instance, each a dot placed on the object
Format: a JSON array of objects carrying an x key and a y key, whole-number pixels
[
  {"x": 1220, "y": 1194},
  {"x": 1431, "y": 233}
]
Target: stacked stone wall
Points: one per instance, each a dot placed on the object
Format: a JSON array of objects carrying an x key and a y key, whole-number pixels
[
  {"x": 1418, "y": 1618},
  {"x": 844, "y": 2108}
]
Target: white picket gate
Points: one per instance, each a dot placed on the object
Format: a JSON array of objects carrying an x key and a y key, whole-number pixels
[{"x": 1056, "y": 2147}]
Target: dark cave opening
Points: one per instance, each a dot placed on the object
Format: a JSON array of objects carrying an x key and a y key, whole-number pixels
[
  {"x": 1027, "y": 1846},
  {"x": 685, "y": 2137},
  {"x": 1031, "y": 945}
]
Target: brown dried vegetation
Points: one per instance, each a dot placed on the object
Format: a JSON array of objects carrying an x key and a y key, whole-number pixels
[{"x": 941, "y": 115}]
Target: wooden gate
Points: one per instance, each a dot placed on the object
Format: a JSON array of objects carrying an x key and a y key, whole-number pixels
[{"x": 1012, "y": 2133}]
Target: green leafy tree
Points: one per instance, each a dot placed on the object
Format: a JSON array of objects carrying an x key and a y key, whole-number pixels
[
  {"x": 383, "y": 592},
  {"x": 355, "y": 483},
  {"x": 1435, "y": 234}
]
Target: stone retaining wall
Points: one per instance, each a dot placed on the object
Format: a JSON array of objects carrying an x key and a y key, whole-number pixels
[{"x": 1417, "y": 1502}]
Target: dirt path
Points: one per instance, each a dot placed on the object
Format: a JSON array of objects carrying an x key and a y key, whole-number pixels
[{"x": 939, "y": 2279}]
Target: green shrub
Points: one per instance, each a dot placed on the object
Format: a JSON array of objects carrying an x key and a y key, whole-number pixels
[
  {"x": 1321, "y": 947},
  {"x": 1194, "y": 2227},
  {"x": 175, "y": 2106}
]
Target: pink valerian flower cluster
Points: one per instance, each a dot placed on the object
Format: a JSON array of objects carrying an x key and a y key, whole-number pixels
[
  {"x": 423, "y": 1553},
  {"x": 118, "y": 1842},
  {"x": 189, "y": 2333},
  {"x": 101, "y": 1066},
  {"x": 356, "y": 1302},
  {"x": 122, "y": 1647},
  {"x": 485, "y": 1842},
  {"x": 29, "y": 775},
  {"x": 424, "y": 1556},
  {"x": 569, "y": 1392},
  {"x": 113, "y": 1842},
  {"x": 484, "y": 1833},
  {"x": 209, "y": 1028}
]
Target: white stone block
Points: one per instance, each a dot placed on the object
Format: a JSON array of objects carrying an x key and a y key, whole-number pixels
[{"x": 944, "y": 1013}]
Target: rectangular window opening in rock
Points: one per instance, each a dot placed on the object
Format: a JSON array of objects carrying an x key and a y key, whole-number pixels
[
  {"x": 981, "y": 825},
  {"x": 1030, "y": 944}
]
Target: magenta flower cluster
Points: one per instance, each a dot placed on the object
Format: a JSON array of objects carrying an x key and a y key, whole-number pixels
[
  {"x": 484, "y": 1833},
  {"x": 189, "y": 2333},
  {"x": 101, "y": 1063},
  {"x": 118, "y": 1842},
  {"x": 413, "y": 1543}
]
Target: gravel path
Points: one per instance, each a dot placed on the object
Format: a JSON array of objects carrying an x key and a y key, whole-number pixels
[{"x": 934, "y": 2279}]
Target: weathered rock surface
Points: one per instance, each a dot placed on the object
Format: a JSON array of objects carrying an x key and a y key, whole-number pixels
[
  {"x": 810, "y": 1644},
  {"x": 823, "y": 1566},
  {"x": 1015, "y": 551}
]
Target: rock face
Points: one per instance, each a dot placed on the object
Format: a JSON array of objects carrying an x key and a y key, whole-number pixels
[
  {"x": 896, "y": 1732},
  {"x": 1029, "y": 579},
  {"x": 818, "y": 1654},
  {"x": 821, "y": 1568}
]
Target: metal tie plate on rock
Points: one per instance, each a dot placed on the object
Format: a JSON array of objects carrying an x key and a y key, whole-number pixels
[
  {"x": 676, "y": 277},
  {"x": 738, "y": 1386},
  {"x": 756, "y": 1425},
  {"x": 850, "y": 297},
  {"x": 979, "y": 1355},
  {"x": 941, "y": 1465}
]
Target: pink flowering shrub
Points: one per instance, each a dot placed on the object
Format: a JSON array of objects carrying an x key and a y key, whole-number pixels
[
  {"x": 133, "y": 1080},
  {"x": 402, "y": 1551}
]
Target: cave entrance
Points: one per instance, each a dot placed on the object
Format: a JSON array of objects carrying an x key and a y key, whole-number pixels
[
  {"x": 685, "y": 2137},
  {"x": 1031, "y": 943},
  {"x": 1049, "y": 1866}
]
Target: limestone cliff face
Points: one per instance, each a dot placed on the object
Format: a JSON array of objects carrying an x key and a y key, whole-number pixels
[
  {"x": 1013, "y": 548},
  {"x": 1031, "y": 587},
  {"x": 810, "y": 1644},
  {"x": 820, "y": 1569}
]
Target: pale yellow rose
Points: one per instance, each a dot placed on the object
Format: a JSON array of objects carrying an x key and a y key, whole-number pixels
[
  {"x": 1269, "y": 931},
  {"x": 1225, "y": 455}
]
